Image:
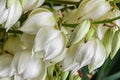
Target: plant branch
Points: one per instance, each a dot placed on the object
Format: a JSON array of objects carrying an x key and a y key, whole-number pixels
[
  {"x": 11, "y": 31},
  {"x": 62, "y": 2},
  {"x": 95, "y": 22}
]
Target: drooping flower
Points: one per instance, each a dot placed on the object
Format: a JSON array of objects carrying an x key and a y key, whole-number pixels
[
  {"x": 50, "y": 42},
  {"x": 25, "y": 66},
  {"x": 11, "y": 14},
  {"x": 38, "y": 18}
]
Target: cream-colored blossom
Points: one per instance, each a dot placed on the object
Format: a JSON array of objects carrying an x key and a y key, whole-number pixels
[
  {"x": 38, "y": 18},
  {"x": 25, "y": 66},
  {"x": 49, "y": 41}
]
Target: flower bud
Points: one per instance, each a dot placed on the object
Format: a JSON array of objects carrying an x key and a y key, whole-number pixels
[
  {"x": 92, "y": 9},
  {"x": 115, "y": 44},
  {"x": 107, "y": 40},
  {"x": 79, "y": 33},
  {"x": 38, "y": 18},
  {"x": 90, "y": 34},
  {"x": 64, "y": 75}
]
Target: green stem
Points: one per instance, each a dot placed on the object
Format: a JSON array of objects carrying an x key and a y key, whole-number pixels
[
  {"x": 62, "y": 2},
  {"x": 11, "y": 31},
  {"x": 95, "y": 22},
  {"x": 106, "y": 21}
]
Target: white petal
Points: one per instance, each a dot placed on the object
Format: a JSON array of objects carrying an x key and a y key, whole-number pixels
[
  {"x": 5, "y": 61},
  {"x": 15, "y": 12},
  {"x": 69, "y": 62},
  {"x": 85, "y": 52},
  {"x": 38, "y": 20},
  {"x": 51, "y": 41},
  {"x": 4, "y": 16},
  {"x": 2, "y": 7},
  {"x": 99, "y": 56}
]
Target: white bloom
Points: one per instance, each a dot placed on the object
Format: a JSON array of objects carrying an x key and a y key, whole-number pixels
[
  {"x": 52, "y": 42},
  {"x": 91, "y": 9},
  {"x": 91, "y": 53},
  {"x": 10, "y": 15},
  {"x": 25, "y": 66},
  {"x": 38, "y": 18},
  {"x": 5, "y": 61},
  {"x": 31, "y": 4},
  {"x": 99, "y": 56}
]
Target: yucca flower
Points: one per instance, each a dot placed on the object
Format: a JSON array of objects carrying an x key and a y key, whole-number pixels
[
  {"x": 49, "y": 43},
  {"x": 38, "y": 18},
  {"x": 26, "y": 66}
]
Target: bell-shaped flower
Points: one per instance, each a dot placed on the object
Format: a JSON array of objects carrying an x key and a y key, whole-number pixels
[
  {"x": 5, "y": 61},
  {"x": 98, "y": 57},
  {"x": 31, "y": 4},
  {"x": 107, "y": 40},
  {"x": 79, "y": 33},
  {"x": 49, "y": 41},
  {"x": 27, "y": 40},
  {"x": 92, "y": 9},
  {"x": 115, "y": 44},
  {"x": 78, "y": 56},
  {"x": 25, "y": 66},
  {"x": 15, "y": 11},
  {"x": 38, "y": 18},
  {"x": 12, "y": 45}
]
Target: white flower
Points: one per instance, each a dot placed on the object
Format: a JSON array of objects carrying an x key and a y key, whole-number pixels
[
  {"x": 5, "y": 61},
  {"x": 49, "y": 41},
  {"x": 98, "y": 57},
  {"x": 11, "y": 14},
  {"x": 91, "y": 9},
  {"x": 25, "y": 66},
  {"x": 91, "y": 53},
  {"x": 31, "y": 4},
  {"x": 38, "y": 18}
]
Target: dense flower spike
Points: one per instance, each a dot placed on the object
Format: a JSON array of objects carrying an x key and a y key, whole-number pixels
[{"x": 57, "y": 39}]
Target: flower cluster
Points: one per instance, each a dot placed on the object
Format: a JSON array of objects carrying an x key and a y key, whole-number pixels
[{"x": 55, "y": 43}]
